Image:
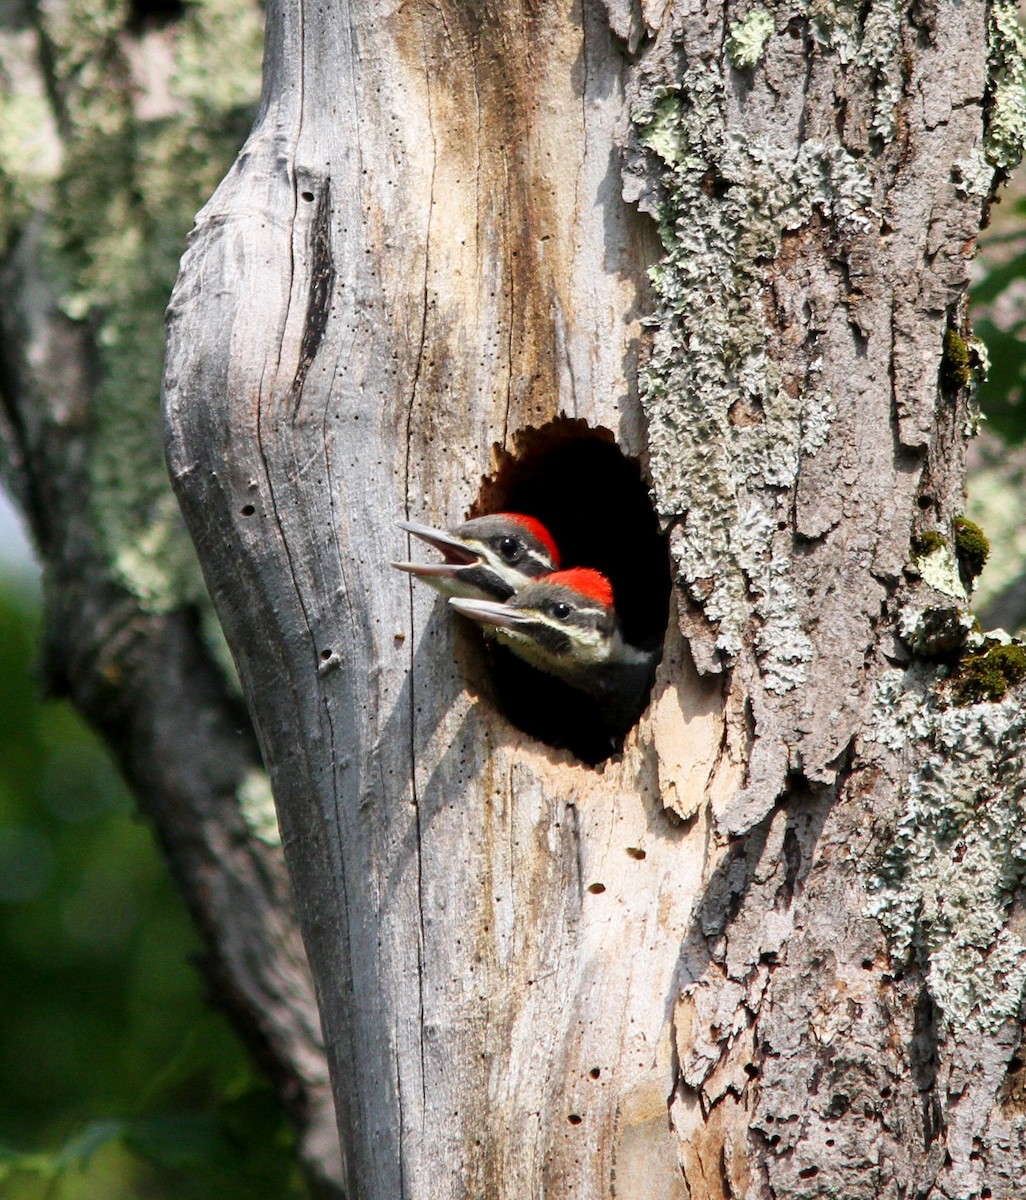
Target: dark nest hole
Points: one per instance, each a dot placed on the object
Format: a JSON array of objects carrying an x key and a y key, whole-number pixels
[{"x": 594, "y": 501}]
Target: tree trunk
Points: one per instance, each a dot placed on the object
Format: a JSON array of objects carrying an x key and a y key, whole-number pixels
[{"x": 774, "y": 947}]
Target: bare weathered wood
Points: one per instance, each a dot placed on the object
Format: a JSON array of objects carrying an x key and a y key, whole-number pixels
[{"x": 535, "y": 978}]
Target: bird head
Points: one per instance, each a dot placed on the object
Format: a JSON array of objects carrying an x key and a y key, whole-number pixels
[
  {"x": 488, "y": 558},
  {"x": 564, "y": 624}
]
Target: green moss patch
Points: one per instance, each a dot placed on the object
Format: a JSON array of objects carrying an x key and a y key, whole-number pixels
[
  {"x": 972, "y": 547},
  {"x": 956, "y": 369},
  {"x": 926, "y": 543},
  {"x": 987, "y": 677}
]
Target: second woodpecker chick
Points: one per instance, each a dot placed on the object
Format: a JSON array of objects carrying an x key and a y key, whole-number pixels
[
  {"x": 488, "y": 558},
  {"x": 565, "y": 625}
]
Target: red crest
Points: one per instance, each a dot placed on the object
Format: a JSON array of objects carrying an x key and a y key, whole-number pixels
[
  {"x": 538, "y": 530},
  {"x": 585, "y": 582}
]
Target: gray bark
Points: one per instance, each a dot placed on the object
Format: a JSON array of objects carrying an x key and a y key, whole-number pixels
[{"x": 436, "y": 239}]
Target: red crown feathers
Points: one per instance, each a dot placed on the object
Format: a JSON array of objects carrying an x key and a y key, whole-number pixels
[
  {"x": 538, "y": 530},
  {"x": 585, "y": 582}
]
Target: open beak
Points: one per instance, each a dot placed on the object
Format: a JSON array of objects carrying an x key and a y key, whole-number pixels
[
  {"x": 488, "y": 612},
  {"x": 457, "y": 553}
]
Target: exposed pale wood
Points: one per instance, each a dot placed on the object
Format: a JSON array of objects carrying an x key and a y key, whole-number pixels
[{"x": 422, "y": 250}]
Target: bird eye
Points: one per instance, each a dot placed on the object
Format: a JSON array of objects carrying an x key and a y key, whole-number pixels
[
  {"x": 510, "y": 548},
  {"x": 561, "y": 610}
]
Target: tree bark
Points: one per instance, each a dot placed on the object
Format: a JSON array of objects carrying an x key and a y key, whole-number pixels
[{"x": 773, "y": 948}]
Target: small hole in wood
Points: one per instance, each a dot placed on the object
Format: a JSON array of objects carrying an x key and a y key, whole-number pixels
[
  {"x": 306, "y": 195},
  {"x": 596, "y": 889},
  {"x": 595, "y": 503},
  {"x": 326, "y": 654},
  {"x": 574, "y": 1119},
  {"x": 247, "y": 510},
  {"x": 595, "y": 1072},
  {"x": 636, "y": 852}
]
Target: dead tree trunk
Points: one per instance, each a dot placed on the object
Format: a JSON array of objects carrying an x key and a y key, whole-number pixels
[{"x": 773, "y": 948}]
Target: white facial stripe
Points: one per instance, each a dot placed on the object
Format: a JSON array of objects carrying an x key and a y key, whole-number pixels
[
  {"x": 513, "y": 573},
  {"x": 543, "y": 560},
  {"x": 589, "y": 646},
  {"x": 583, "y": 636},
  {"x": 590, "y": 612}
]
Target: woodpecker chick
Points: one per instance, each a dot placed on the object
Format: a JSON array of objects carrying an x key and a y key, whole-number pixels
[
  {"x": 488, "y": 558},
  {"x": 565, "y": 625}
]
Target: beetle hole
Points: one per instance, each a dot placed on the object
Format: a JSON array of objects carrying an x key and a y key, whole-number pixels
[
  {"x": 575, "y": 1119},
  {"x": 247, "y": 510},
  {"x": 596, "y": 889},
  {"x": 594, "y": 501},
  {"x": 595, "y": 1072},
  {"x": 306, "y": 195}
]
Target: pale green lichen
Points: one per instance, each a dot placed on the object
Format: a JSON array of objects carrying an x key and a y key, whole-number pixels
[
  {"x": 974, "y": 175},
  {"x": 835, "y": 26},
  {"x": 957, "y": 853},
  {"x": 818, "y": 411},
  {"x": 748, "y": 37},
  {"x": 256, "y": 802},
  {"x": 726, "y": 205},
  {"x": 939, "y": 568},
  {"x": 117, "y": 201},
  {"x": 879, "y": 54},
  {"x": 869, "y": 38},
  {"x": 1005, "y": 129}
]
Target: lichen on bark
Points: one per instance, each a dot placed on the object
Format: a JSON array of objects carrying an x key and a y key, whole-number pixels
[
  {"x": 944, "y": 885},
  {"x": 723, "y": 206},
  {"x": 748, "y": 38},
  {"x": 1005, "y": 136}
]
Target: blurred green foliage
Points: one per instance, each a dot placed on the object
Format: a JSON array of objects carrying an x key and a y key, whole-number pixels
[
  {"x": 999, "y": 303},
  {"x": 116, "y": 1079}
]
